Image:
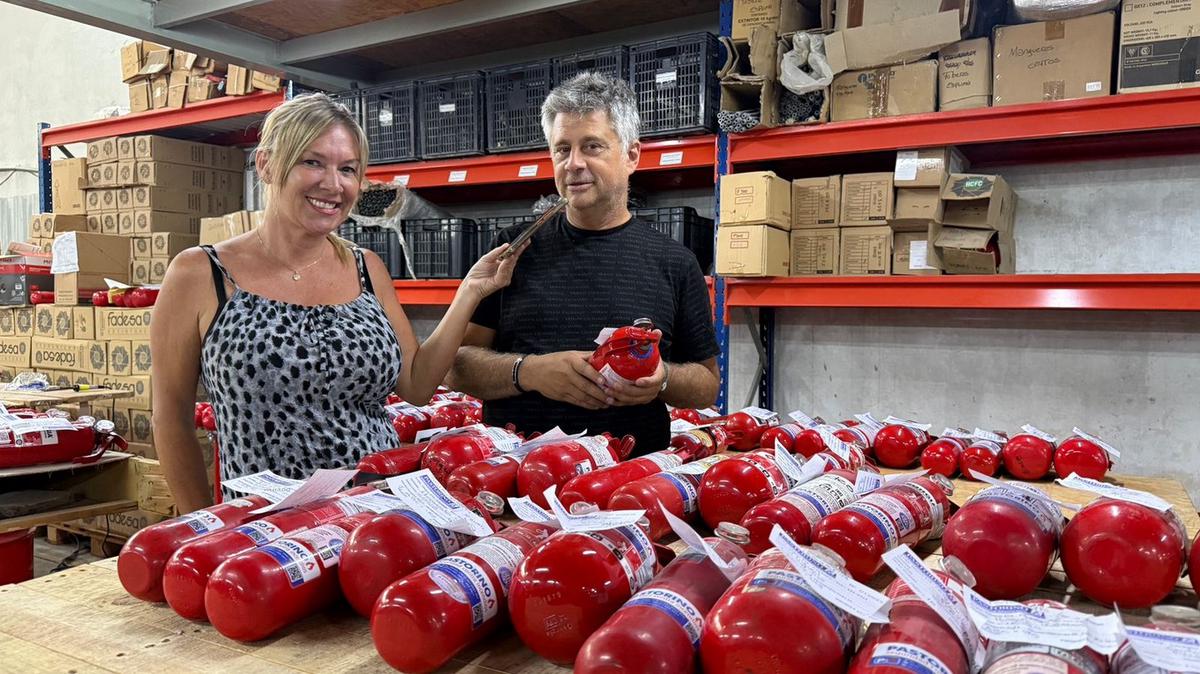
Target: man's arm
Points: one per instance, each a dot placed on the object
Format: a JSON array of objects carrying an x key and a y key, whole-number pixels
[{"x": 689, "y": 385}]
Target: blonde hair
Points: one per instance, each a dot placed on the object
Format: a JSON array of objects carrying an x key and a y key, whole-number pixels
[{"x": 291, "y": 128}]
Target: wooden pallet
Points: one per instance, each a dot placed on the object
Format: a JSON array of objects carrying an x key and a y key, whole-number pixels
[{"x": 102, "y": 544}]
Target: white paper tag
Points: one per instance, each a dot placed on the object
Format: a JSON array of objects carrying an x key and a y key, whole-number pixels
[
  {"x": 907, "y": 424},
  {"x": 729, "y": 568},
  {"x": 671, "y": 158},
  {"x": 1092, "y": 87},
  {"x": 528, "y": 511},
  {"x": 989, "y": 435},
  {"x": 907, "y": 163},
  {"x": 595, "y": 521},
  {"x": 1035, "y": 432},
  {"x": 64, "y": 254},
  {"x": 430, "y": 433},
  {"x": 665, "y": 460},
  {"x": 385, "y": 117},
  {"x": 866, "y": 482},
  {"x": 1112, "y": 451},
  {"x": 323, "y": 483},
  {"x": 762, "y": 415},
  {"x": 918, "y": 254},
  {"x": 925, "y": 584},
  {"x": 597, "y": 448},
  {"x": 605, "y": 335},
  {"x": 833, "y": 584},
  {"x": 834, "y": 443},
  {"x": 400, "y": 180},
  {"x": 458, "y": 176},
  {"x": 792, "y": 469},
  {"x": 446, "y": 107},
  {"x": 1074, "y": 481},
  {"x": 502, "y": 441},
  {"x": 868, "y": 420},
  {"x": 682, "y": 426},
  {"x": 378, "y": 502},
  {"x": 527, "y": 171},
  {"x": 1021, "y": 487},
  {"x": 700, "y": 466},
  {"x": 1046, "y": 625},
  {"x": 429, "y": 499},
  {"x": 266, "y": 484},
  {"x": 709, "y": 413},
  {"x": 802, "y": 419},
  {"x": 665, "y": 77},
  {"x": 956, "y": 433},
  {"x": 555, "y": 434},
  {"x": 1169, "y": 651},
  {"x": 900, "y": 478}
]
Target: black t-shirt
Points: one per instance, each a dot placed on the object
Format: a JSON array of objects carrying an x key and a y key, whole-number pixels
[{"x": 569, "y": 285}]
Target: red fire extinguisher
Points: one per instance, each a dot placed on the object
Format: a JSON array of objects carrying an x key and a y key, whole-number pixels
[
  {"x": 796, "y": 510},
  {"x": 448, "y": 451},
  {"x": 1007, "y": 657},
  {"x": 771, "y": 622},
  {"x": 629, "y": 354},
  {"x": 1086, "y": 456},
  {"x": 1194, "y": 563},
  {"x": 490, "y": 480},
  {"x": 408, "y": 421},
  {"x": 425, "y": 618},
  {"x": 397, "y": 461},
  {"x": 942, "y": 455},
  {"x": 453, "y": 414},
  {"x": 259, "y": 592},
  {"x": 983, "y": 454},
  {"x": 1007, "y": 537},
  {"x": 597, "y": 487},
  {"x": 700, "y": 443},
  {"x": 678, "y": 493},
  {"x": 188, "y": 570},
  {"x": 573, "y": 582},
  {"x": 555, "y": 463},
  {"x": 1124, "y": 553},
  {"x": 899, "y": 445},
  {"x": 389, "y": 547},
  {"x": 746, "y": 428},
  {"x": 893, "y": 514},
  {"x": 732, "y": 487},
  {"x": 916, "y": 639},
  {"x": 658, "y": 630},
  {"x": 142, "y": 559},
  {"x": 1028, "y": 456},
  {"x": 785, "y": 434}
]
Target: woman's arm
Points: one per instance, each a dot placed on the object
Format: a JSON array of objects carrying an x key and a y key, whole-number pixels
[{"x": 175, "y": 341}]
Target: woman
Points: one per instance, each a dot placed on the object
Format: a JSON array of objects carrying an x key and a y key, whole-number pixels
[{"x": 299, "y": 336}]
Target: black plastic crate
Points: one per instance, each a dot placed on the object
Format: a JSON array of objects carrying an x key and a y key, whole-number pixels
[
  {"x": 441, "y": 247},
  {"x": 513, "y": 98},
  {"x": 353, "y": 101},
  {"x": 389, "y": 114},
  {"x": 685, "y": 226},
  {"x": 612, "y": 61},
  {"x": 675, "y": 83},
  {"x": 451, "y": 117},
  {"x": 488, "y": 228},
  {"x": 385, "y": 242}
]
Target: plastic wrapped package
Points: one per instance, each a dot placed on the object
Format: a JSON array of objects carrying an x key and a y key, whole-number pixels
[{"x": 1058, "y": 10}]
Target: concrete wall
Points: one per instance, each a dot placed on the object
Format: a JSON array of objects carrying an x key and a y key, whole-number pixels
[{"x": 54, "y": 71}]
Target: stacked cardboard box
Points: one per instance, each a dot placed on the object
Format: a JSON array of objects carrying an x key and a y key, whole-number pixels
[
  {"x": 216, "y": 230},
  {"x": 755, "y": 219},
  {"x": 160, "y": 77}
]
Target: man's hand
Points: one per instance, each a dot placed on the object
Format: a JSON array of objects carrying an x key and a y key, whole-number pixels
[
  {"x": 565, "y": 376},
  {"x": 640, "y": 392}
]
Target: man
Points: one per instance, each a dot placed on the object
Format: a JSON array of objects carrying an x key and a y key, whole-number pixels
[{"x": 526, "y": 349}]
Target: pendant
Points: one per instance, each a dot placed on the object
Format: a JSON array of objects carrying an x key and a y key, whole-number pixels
[{"x": 295, "y": 276}]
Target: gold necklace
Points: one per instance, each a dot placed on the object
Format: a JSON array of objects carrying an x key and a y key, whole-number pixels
[{"x": 295, "y": 272}]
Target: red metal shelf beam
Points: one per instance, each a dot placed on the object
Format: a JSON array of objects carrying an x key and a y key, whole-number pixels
[
  {"x": 684, "y": 153},
  {"x": 1107, "y": 115},
  {"x": 1122, "y": 292},
  {"x": 427, "y": 293},
  {"x": 153, "y": 121}
]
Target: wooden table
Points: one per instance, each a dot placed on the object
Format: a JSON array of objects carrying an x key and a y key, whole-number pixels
[
  {"x": 81, "y": 620},
  {"x": 45, "y": 399}
]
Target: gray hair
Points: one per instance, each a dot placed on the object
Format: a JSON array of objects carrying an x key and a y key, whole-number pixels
[{"x": 590, "y": 92}]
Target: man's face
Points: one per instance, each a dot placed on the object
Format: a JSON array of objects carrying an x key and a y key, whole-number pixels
[{"x": 590, "y": 169}]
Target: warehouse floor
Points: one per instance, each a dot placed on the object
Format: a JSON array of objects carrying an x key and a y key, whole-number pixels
[{"x": 47, "y": 556}]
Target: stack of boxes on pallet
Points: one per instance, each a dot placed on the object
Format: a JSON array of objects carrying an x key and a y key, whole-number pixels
[
  {"x": 161, "y": 77},
  {"x": 927, "y": 217}
]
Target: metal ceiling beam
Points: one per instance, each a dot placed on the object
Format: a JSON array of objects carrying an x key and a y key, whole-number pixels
[
  {"x": 171, "y": 13},
  {"x": 423, "y": 23},
  {"x": 210, "y": 38}
]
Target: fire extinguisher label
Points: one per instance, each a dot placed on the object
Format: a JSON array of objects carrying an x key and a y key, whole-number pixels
[
  {"x": 444, "y": 541},
  {"x": 766, "y": 465},
  {"x": 597, "y": 447},
  {"x": 907, "y": 657},
  {"x": 201, "y": 522},
  {"x": 502, "y": 555},
  {"x": 989, "y": 445},
  {"x": 632, "y": 551},
  {"x": 675, "y": 606},
  {"x": 611, "y": 377},
  {"x": 502, "y": 440},
  {"x": 664, "y": 460},
  {"x": 882, "y": 521},
  {"x": 1037, "y": 508},
  {"x": 260, "y": 532},
  {"x": 467, "y": 583},
  {"x": 794, "y": 583},
  {"x": 686, "y": 488},
  {"x": 297, "y": 561},
  {"x": 326, "y": 542},
  {"x": 763, "y": 416},
  {"x": 821, "y": 496},
  {"x": 935, "y": 508}
]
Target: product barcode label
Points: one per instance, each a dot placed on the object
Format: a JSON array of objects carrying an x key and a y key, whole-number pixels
[
  {"x": 260, "y": 532},
  {"x": 687, "y": 489},
  {"x": 202, "y": 522},
  {"x": 297, "y": 561},
  {"x": 501, "y": 554},
  {"x": 1112, "y": 451},
  {"x": 880, "y": 519},
  {"x": 1035, "y": 432},
  {"x": 676, "y": 606},
  {"x": 465, "y": 581},
  {"x": 664, "y": 460},
  {"x": 597, "y": 447},
  {"x": 762, "y": 415}
]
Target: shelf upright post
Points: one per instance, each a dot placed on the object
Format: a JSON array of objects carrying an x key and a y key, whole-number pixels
[
  {"x": 720, "y": 321},
  {"x": 766, "y": 380},
  {"x": 44, "y": 195}
]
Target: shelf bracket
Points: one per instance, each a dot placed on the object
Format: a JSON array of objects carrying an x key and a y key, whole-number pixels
[{"x": 44, "y": 194}]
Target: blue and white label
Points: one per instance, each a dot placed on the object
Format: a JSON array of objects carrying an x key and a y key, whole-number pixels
[
  {"x": 687, "y": 489},
  {"x": 260, "y": 532},
  {"x": 296, "y": 560},
  {"x": 444, "y": 541},
  {"x": 1171, "y": 651},
  {"x": 467, "y": 583},
  {"x": 326, "y": 542},
  {"x": 907, "y": 657},
  {"x": 1041, "y": 510},
  {"x": 794, "y": 583},
  {"x": 665, "y": 460},
  {"x": 502, "y": 555},
  {"x": 678, "y": 608},
  {"x": 202, "y": 522}
]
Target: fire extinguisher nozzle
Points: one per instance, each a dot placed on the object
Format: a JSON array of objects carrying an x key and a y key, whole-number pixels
[{"x": 958, "y": 570}]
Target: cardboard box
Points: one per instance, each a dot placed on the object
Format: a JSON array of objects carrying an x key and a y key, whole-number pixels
[
  {"x": 866, "y": 251},
  {"x": 125, "y": 147},
  {"x": 966, "y": 251},
  {"x": 756, "y": 198},
  {"x": 120, "y": 358},
  {"x": 176, "y": 90},
  {"x": 140, "y": 427},
  {"x": 83, "y": 323},
  {"x": 54, "y": 321},
  {"x": 902, "y": 41},
  {"x": 155, "y": 62},
  {"x": 140, "y": 386},
  {"x": 816, "y": 202},
  {"x": 761, "y": 96},
  {"x": 139, "y": 272},
  {"x": 60, "y": 354},
  {"x": 131, "y": 60},
  {"x": 124, "y": 524},
  {"x": 965, "y": 75},
  {"x": 868, "y": 199},
  {"x": 125, "y": 223},
  {"x": 120, "y": 419},
  {"x": 159, "y": 148},
  {"x": 90, "y": 253},
  {"x": 102, "y": 151},
  {"x": 1053, "y": 60},
  {"x": 885, "y": 92},
  {"x": 77, "y": 288},
  {"x": 916, "y": 207},
  {"x": 140, "y": 350},
  {"x": 139, "y": 247},
  {"x": 170, "y": 245},
  {"x": 23, "y": 321},
  {"x": 68, "y": 178},
  {"x": 15, "y": 352},
  {"x": 1159, "y": 45},
  {"x": 110, "y": 224},
  {"x": 18, "y": 275},
  {"x": 752, "y": 250},
  {"x": 158, "y": 269},
  {"x": 237, "y": 81},
  {"x": 927, "y": 167},
  {"x": 159, "y": 88},
  {"x": 268, "y": 82},
  {"x": 141, "y": 98},
  {"x": 183, "y": 60},
  {"x": 979, "y": 201},
  {"x": 126, "y": 172},
  {"x": 121, "y": 323},
  {"x": 57, "y": 223},
  {"x": 175, "y": 176},
  {"x": 783, "y": 16},
  {"x": 179, "y": 201},
  {"x": 35, "y": 226},
  {"x": 148, "y": 222},
  {"x": 102, "y": 175},
  {"x": 97, "y": 357},
  {"x": 911, "y": 255},
  {"x": 8, "y": 325},
  {"x": 109, "y": 200},
  {"x": 203, "y": 87},
  {"x": 815, "y": 251}
]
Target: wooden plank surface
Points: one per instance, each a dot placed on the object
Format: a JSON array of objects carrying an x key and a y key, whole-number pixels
[
  {"x": 74, "y": 512},
  {"x": 65, "y": 397}
]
